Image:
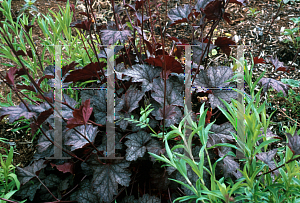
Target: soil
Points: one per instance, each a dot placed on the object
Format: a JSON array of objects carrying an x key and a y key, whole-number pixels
[{"x": 248, "y": 28}]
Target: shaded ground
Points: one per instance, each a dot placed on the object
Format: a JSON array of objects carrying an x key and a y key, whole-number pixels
[{"x": 246, "y": 27}]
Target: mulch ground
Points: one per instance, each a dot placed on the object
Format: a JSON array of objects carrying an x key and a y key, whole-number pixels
[{"x": 247, "y": 28}]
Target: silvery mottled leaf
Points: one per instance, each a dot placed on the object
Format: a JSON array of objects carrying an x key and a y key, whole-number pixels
[
  {"x": 98, "y": 103},
  {"x": 201, "y": 4},
  {"x": 197, "y": 50},
  {"x": 84, "y": 194},
  {"x": 173, "y": 115},
  {"x": 267, "y": 83},
  {"x": 29, "y": 189},
  {"x": 214, "y": 77},
  {"x": 15, "y": 112},
  {"x": 173, "y": 97},
  {"x": 112, "y": 36},
  {"x": 221, "y": 133},
  {"x": 136, "y": 145},
  {"x": 226, "y": 95},
  {"x": 178, "y": 81},
  {"x": 180, "y": 14},
  {"x": 107, "y": 177},
  {"x": 76, "y": 141},
  {"x": 52, "y": 181},
  {"x": 294, "y": 143},
  {"x": 230, "y": 166},
  {"x": 267, "y": 158},
  {"x": 269, "y": 135},
  {"x": 143, "y": 73},
  {"x": 131, "y": 99},
  {"x": 149, "y": 199},
  {"x": 31, "y": 171},
  {"x": 122, "y": 123}
]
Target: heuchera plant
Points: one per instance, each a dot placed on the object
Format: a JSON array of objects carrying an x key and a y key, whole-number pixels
[{"x": 145, "y": 74}]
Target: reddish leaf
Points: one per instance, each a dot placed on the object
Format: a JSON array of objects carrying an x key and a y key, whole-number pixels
[
  {"x": 213, "y": 10},
  {"x": 139, "y": 18},
  {"x": 294, "y": 143},
  {"x": 226, "y": 17},
  {"x": 28, "y": 27},
  {"x": 10, "y": 76},
  {"x": 172, "y": 66},
  {"x": 81, "y": 115},
  {"x": 41, "y": 119},
  {"x": 48, "y": 98},
  {"x": 223, "y": 43},
  {"x": 65, "y": 168},
  {"x": 208, "y": 116},
  {"x": 130, "y": 6},
  {"x": 257, "y": 60},
  {"x": 25, "y": 87},
  {"x": 278, "y": 65},
  {"x": 85, "y": 25},
  {"x": 20, "y": 72},
  {"x": 29, "y": 53},
  {"x": 45, "y": 76},
  {"x": 86, "y": 73},
  {"x": 66, "y": 68},
  {"x": 21, "y": 53},
  {"x": 85, "y": 14},
  {"x": 138, "y": 4}
]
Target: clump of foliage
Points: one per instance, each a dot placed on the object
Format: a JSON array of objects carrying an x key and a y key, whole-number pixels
[{"x": 145, "y": 73}]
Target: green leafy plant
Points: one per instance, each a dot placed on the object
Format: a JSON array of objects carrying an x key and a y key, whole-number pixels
[
  {"x": 8, "y": 178},
  {"x": 253, "y": 12},
  {"x": 294, "y": 33},
  {"x": 29, "y": 7}
]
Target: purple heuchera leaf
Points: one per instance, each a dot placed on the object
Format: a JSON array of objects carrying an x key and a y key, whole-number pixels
[
  {"x": 29, "y": 189},
  {"x": 138, "y": 143},
  {"x": 173, "y": 97},
  {"x": 294, "y": 143},
  {"x": 267, "y": 83},
  {"x": 197, "y": 50},
  {"x": 75, "y": 140},
  {"x": 179, "y": 14},
  {"x": 31, "y": 171},
  {"x": 221, "y": 134},
  {"x": 269, "y": 135},
  {"x": 143, "y": 73},
  {"x": 229, "y": 165},
  {"x": 113, "y": 36},
  {"x": 173, "y": 115},
  {"x": 16, "y": 112},
  {"x": 107, "y": 177},
  {"x": 201, "y": 4},
  {"x": 267, "y": 158},
  {"x": 215, "y": 77}
]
